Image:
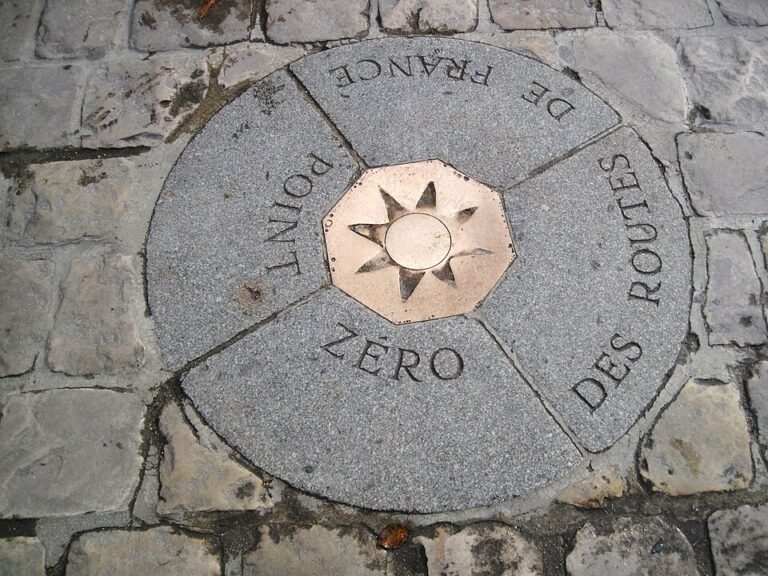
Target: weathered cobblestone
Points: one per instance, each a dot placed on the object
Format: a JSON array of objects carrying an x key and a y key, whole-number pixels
[
  {"x": 740, "y": 540},
  {"x": 85, "y": 28},
  {"x": 316, "y": 550},
  {"x": 744, "y": 12},
  {"x": 18, "y": 19},
  {"x": 199, "y": 473},
  {"x": 95, "y": 331},
  {"x": 38, "y": 106},
  {"x": 595, "y": 490},
  {"x": 732, "y": 309},
  {"x": 757, "y": 389},
  {"x": 728, "y": 78},
  {"x": 309, "y": 21},
  {"x": 725, "y": 173},
  {"x": 25, "y": 297},
  {"x": 65, "y": 452},
  {"x": 636, "y": 70},
  {"x": 481, "y": 549},
  {"x": 21, "y": 557},
  {"x": 700, "y": 443},
  {"x": 159, "y": 25},
  {"x": 633, "y": 546},
  {"x": 441, "y": 16},
  {"x": 140, "y": 103},
  {"x": 66, "y": 201},
  {"x": 156, "y": 552},
  {"x": 252, "y": 61},
  {"x": 657, "y": 14},
  {"x": 538, "y": 14}
]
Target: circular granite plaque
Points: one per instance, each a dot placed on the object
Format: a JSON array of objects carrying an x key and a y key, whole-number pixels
[{"x": 419, "y": 274}]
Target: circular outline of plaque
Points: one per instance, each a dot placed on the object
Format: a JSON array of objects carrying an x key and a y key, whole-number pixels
[{"x": 575, "y": 323}]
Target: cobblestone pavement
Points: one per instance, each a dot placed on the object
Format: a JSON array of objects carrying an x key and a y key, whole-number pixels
[{"x": 105, "y": 467}]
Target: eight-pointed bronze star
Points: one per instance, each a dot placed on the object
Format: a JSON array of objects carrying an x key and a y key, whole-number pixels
[{"x": 411, "y": 277}]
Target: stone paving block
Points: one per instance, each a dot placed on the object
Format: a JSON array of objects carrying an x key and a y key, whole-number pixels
[
  {"x": 67, "y": 201},
  {"x": 615, "y": 340},
  {"x": 159, "y": 25},
  {"x": 487, "y": 548},
  {"x": 538, "y": 14},
  {"x": 744, "y": 12},
  {"x": 25, "y": 298},
  {"x": 80, "y": 28},
  {"x": 198, "y": 473},
  {"x": 740, "y": 540},
  {"x": 433, "y": 16},
  {"x": 496, "y": 139},
  {"x": 133, "y": 103},
  {"x": 700, "y": 443},
  {"x": 370, "y": 450},
  {"x": 728, "y": 78},
  {"x": 38, "y": 106},
  {"x": 240, "y": 244},
  {"x": 18, "y": 20},
  {"x": 757, "y": 390},
  {"x": 595, "y": 490},
  {"x": 156, "y": 552},
  {"x": 95, "y": 330},
  {"x": 253, "y": 61},
  {"x": 733, "y": 310},
  {"x": 635, "y": 69},
  {"x": 312, "y": 21},
  {"x": 632, "y": 546},
  {"x": 66, "y": 452},
  {"x": 21, "y": 557},
  {"x": 725, "y": 173},
  {"x": 656, "y": 14},
  {"x": 302, "y": 551}
]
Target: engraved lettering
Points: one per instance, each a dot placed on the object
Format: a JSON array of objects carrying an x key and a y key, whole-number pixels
[
  {"x": 646, "y": 262},
  {"x": 456, "y": 71},
  {"x": 395, "y": 66},
  {"x": 348, "y": 336},
  {"x": 628, "y": 345},
  {"x": 649, "y": 231},
  {"x": 368, "y": 354},
  {"x": 535, "y": 96},
  {"x": 297, "y": 186},
  {"x": 343, "y": 78},
  {"x": 318, "y": 166},
  {"x": 558, "y": 108},
  {"x": 374, "y": 72},
  {"x": 591, "y": 392},
  {"x": 641, "y": 291},
  {"x": 482, "y": 79},
  {"x": 407, "y": 366},
  {"x": 442, "y": 373},
  {"x": 294, "y": 263},
  {"x": 429, "y": 67},
  {"x": 608, "y": 367}
]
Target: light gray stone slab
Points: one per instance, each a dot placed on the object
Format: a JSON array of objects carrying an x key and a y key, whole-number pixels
[
  {"x": 95, "y": 330},
  {"x": 155, "y": 552},
  {"x": 725, "y": 173},
  {"x": 733, "y": 309},
  {"x": 38, "y": 106},
  {"x": 18, "y": 20},
  {"x": 487, "y": 548},
  {"x": 657, "y": 14},
  {"x": 757, "y": 389},
  {"x": 616, "y": 296},
  {"x": 740, "y": 540},
  {"x": 300, "y": 551},
  {"x": 252, "y": 61},
  {"x": 80, "y": 28},
  {"x": 159, "y": 25},
  {"x": 537, "y": 14},
  {"x": 632, "y": 546},
  {"x": 57, "y": 532},
  {"x": 745, "y": 12},
  {"x": 727, "y": 78},
  {"x": 21, "y": 557},
  {"x": 25, "y": 299},
  {"x": 636, "y": 71},
  {"x": 311, "y": 21},
  {"x": 700, "y": 443},
  {"x": 339, "y": 419},
  {"x": 442, "y": 16},
  {"x": 236, "y": 233},
  {"x": 67, "y": 452},
  {"x": 471, "y": 105}
]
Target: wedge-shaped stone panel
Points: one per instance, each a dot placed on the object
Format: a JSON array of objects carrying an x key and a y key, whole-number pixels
[
  {"x": 338, "y": 401},
  {"x": 596, "y": 306},
  {"x": 236, "y": 235},
  {"x": 490, "y": 113}
]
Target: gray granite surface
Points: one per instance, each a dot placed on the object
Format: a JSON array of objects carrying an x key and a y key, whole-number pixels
[
  {"x": 609, "y": 340},
  {"x": 266, "y": 166},
  {"x": 341, "y": 420},
  {"x": 471, "y": 105}
]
